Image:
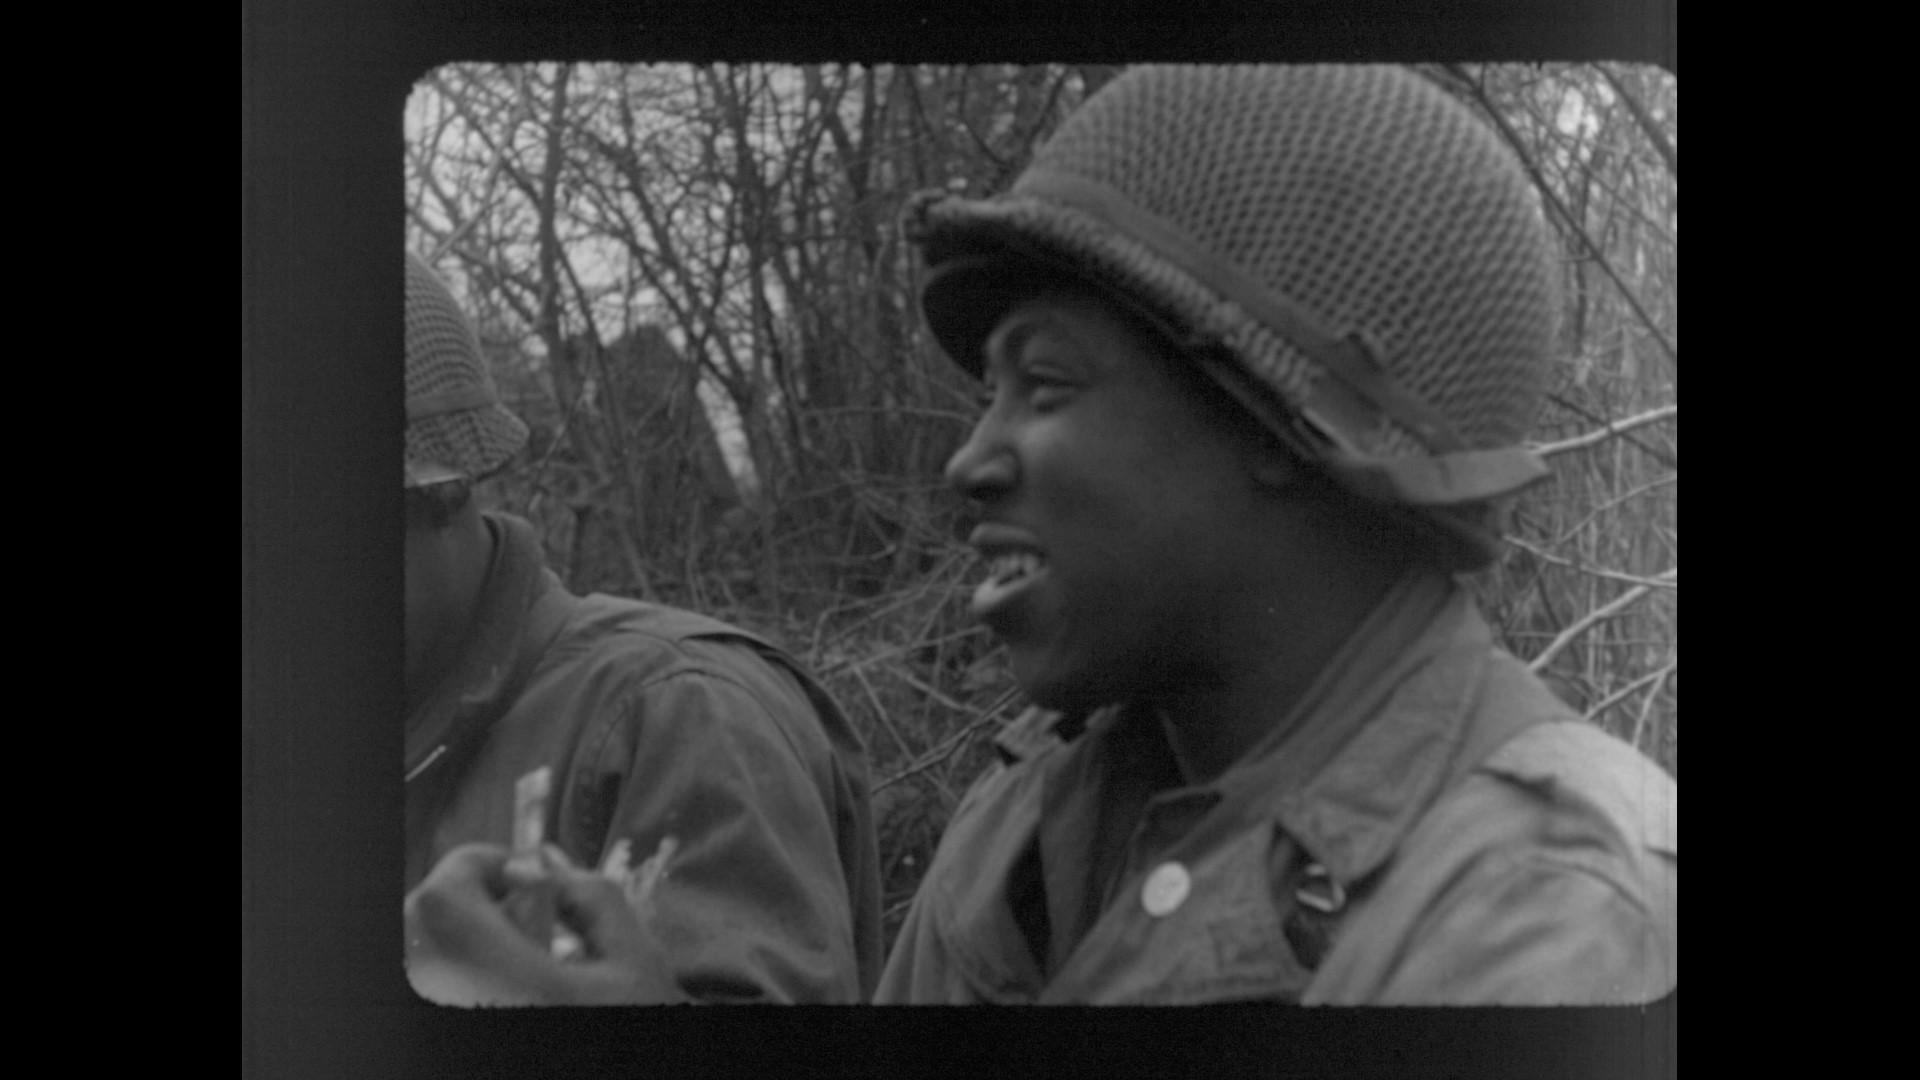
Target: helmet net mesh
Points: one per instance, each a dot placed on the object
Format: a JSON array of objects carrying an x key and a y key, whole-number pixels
[
  {"x": 1365, "y": 196},
  {"x": 444, "y": 359}
]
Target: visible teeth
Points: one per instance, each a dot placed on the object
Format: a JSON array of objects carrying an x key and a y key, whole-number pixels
[
  {"x": 1007, "y": 575},
  {"x": 1013, "y": 565}
]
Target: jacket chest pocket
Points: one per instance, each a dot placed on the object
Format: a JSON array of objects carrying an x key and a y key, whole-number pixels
[{"x": 1192, "y": 931}]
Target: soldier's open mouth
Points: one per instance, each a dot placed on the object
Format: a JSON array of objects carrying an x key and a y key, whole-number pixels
[{"x": 1007, "y": 574}]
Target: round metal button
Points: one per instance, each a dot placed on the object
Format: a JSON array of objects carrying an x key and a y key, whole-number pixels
[{"x": 1166, "y": 889}]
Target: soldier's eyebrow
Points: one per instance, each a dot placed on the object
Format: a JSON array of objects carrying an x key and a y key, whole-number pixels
[
  {"x": 1039, "y": 320},
  {"x": 1013, "y": 333}
]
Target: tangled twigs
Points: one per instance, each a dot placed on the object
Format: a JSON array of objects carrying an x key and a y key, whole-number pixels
[
  {"x": 1615, "y": 698},
  {"x": 1646, "y": 707},
  {"x": 1573, "y": 226},
  {"x": 1669, "y": 579},
  {"x": 837, "y": 666},
  {"x": 908, "y": 678},
  {"x": 1648, "y": 125},
  {"x": 949, "y": 746},
  {"x": 1587, "y": 622}
]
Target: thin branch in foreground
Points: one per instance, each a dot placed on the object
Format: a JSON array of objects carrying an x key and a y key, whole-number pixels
[
  {"x": 1662, "y": 456},
  {"x": 1613, "y": 429},
  {"x": 951, "y": 744},
  {"x": 1506, "y": 129},
  {"x": 1587, "y": 622},
  {"x": 1666, "y": 579},
  {"x": 1646, "y": 707},
  {"x": 908, "y": 678},
  {"x": 840, "y": 665},
  {"x": 1648, "y": 126},
  {"x": 1572, "y": 531},
  {"x": 1615, "y": 698},
  {"x": 880, "y": 715}
]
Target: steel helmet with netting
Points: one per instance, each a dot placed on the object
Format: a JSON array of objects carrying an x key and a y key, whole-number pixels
[
  {"x": 1347, "y": 250},
  {"x": 455, "y": 421}
]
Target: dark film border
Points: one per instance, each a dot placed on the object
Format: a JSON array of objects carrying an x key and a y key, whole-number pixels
[{"x": 322, "y": 991}]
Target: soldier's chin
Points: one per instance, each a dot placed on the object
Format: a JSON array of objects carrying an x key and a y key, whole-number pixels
[{"x": 1050, "y": 687}]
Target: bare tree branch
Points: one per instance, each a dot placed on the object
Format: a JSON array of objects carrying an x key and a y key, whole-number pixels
[
  {"x": 880, "y": 713},
  {"x": 1646, "y": 706},
  {"x": 1573, "y": 225},
  {"x": 908, "y": 678},
  {"x": 1615, "y": 698},
  {"x": 874, "y": 658},
  {"x": 1668, "y": 580},
  {"x": 1662, "y": 456},
  {"x": 999, "y": 163},
  {"x": 1613, "y": 429},
  {"x": 952, "y": 743},
  {"x": 1573, "y": 530},
  {"x": 1648, "y": 125},
  {"x": 1587, "y": 622}
]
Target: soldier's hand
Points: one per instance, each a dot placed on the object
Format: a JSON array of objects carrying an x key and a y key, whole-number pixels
[{"x": 465, "y": 947}]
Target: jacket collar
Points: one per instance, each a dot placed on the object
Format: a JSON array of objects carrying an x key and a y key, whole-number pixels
[
  {"x": 1396, "y": 713},
  {"x": 488, "y": 668},
  {"x": 1363, "y": 753}
]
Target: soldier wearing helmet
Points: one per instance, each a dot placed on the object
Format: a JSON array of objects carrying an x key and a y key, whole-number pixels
[
  {"x": 1262, "y": 345},
  {"x": 690, "y": 769}
]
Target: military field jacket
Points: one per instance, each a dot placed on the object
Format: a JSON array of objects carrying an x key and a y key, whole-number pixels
[
  {"x": 660, "y": 724},
  {"x": 1439, "y": 829}
]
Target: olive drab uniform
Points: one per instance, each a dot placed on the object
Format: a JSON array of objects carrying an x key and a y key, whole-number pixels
[
  {"x": 1359, "y": 262},
  {"x": 1473, "y": 843},
  {"x": 661, "y": 724}
]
